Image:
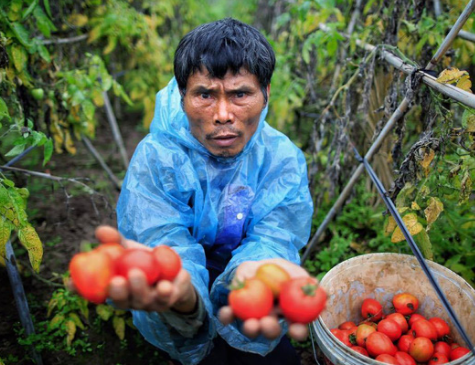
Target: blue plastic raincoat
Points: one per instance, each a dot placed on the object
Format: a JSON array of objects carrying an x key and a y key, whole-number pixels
[{"x": 215, "y": 212}]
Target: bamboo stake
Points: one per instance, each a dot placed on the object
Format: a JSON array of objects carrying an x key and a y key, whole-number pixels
[
  {"x": 101, "y": 161},
  {"x": 467, "y": 36},
  {"x": 115, "y": 129},
  {"x": 401, "y": 109}
]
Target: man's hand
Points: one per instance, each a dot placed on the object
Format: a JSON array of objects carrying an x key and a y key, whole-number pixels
[
  {"x": 268, "y": 326},
  {"x": 135, "y": 293}
]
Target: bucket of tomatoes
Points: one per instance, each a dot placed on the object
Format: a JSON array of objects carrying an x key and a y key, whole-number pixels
[{"x": 381, "y": 308}]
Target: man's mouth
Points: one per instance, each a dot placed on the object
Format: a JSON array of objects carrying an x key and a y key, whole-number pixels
[{"x": 225, "y": 140}]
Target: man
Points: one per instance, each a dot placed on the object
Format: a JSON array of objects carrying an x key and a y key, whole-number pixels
[{"x": 214, "y": 181}]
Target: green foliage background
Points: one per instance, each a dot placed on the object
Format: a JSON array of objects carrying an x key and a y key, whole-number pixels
[{"x": 58, "y": 58}]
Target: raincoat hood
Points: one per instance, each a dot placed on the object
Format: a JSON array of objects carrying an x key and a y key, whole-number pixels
[{"x": 170, "y": 120}]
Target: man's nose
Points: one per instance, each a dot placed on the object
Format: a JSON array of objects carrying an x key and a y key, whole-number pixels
[{"x": 223, "y": 113}]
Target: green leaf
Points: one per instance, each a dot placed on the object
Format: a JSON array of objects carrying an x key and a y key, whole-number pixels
[
  {"x": 21, "y": 34},
  {"x": 5, "y": 232},
  {"x": 28, "y": 11},
  {"x": 16, "y": 150},
  {"x": 4, "y": 114},
  {"x": 48, "y": 151},
  {"x": 44, "y": 53},
  {"x": 44, "y": 24},
  {"x": 89, "y": 109},
  {"x": 47, "y": 8},
  {"x": 423, "y": 242},
  {"x": 19, "y": 56},
  {"x": 16, "y": 5},
  {"x": 104, "y": 311},
  {"x": 119, "y": 326},
  {"x": 31, "y": 241}
]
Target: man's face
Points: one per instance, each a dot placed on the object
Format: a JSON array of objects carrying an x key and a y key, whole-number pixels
[{"x": 223, "y": 114}]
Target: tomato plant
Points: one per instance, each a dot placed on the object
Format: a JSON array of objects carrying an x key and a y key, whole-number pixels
[
  {"x": 405, "y": 303},
  {"x": 168, "y": 260},
  {"x": 421, "y": 349},
  {"x": 273, "y": 275},
  {"x": 138, "y": 259},
  {"x": 371, "y": 309},
  {"x": 91, "y": 273},
  {"x": 378, "y": 343},
  {"x": 302, "y": 299},
  {"x": 251, "y": 299}
]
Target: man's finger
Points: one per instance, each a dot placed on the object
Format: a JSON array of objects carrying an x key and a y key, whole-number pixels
[
  {"x": 270, "y": 327},
  {"x": 251, "y": 327},
  {"x": 298, "y": 331},
  {"x": 226, "y": 315},
  {"x": 107, "y": 234},
  {"x": 139, "y": 289},
  {"x": 119, "y": 292}
]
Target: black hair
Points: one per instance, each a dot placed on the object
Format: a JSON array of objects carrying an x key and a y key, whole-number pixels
[{"x": 222, "y": 46}]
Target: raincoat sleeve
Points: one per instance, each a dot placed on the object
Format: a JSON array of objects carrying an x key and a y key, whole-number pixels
[
  {"x": 153, "y": 209},
  {"x": 278, "y": 228}
]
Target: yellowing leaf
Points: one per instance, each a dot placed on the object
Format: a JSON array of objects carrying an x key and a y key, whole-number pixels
[
  {"x": 78, "y": 20},
  {"x": 104, "y": 311},
  {"x": 390, "y": 226},
  {"x": 31, "y": 241},
  {"x": 77, "y": 321},
  {"x": 464, "y": 83},
  {"x": 413, "y": 226},
  {"x": 425, "y": 246},
  {"x": 471, "y": 123},
  {"x": 429, "y": 155},
  {"x": 433, "y": 210},
  {"x": 56, "y": 321},
  {"x": 450, "y": 75},
  {"x": 415, "y": 206},
  {"x": 119, "y": 326},
  {"x": 5, "y": 231},
  {"x": 70, "y": 330},
  {"x": 51, "y": 305},
  {"x": 19, "y": 56}
]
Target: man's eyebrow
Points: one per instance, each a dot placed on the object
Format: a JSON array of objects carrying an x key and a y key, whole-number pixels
[{"x": 203, "y": 89}]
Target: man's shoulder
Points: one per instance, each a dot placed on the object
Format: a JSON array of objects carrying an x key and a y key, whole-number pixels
[{"x": 278, "y": 144}]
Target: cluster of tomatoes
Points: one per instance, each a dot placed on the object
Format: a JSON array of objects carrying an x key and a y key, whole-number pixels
[
  {"x": 403, "y": 337},
  {"x": 300, "y": 299},
  {"x": 92, "y": 271}
]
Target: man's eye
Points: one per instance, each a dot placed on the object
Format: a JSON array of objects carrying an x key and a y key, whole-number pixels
[
  {"x": 240, "y": 94},
  {"x": 205, "y": 95}
]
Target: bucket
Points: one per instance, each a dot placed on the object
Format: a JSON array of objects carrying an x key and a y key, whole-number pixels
[{"x": 380, "y": 276}]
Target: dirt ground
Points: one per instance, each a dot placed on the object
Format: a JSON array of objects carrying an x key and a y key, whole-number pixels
[{"x": 65, "y": 219}]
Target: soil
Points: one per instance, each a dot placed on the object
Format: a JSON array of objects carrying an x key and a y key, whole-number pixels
[{"x": 65, "y": 218}]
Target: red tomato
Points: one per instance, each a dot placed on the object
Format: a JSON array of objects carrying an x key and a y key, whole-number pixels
[
  {"x": 458, "y": 352},
  {"x": 273, "y": 276},
  {"x": 441, "y": 327},
  {"x": 362, "y": 333},
  {"x": 437, "y": 359},
  {"x": 168, "y": 261},
  {"x": 114, "y": 250},
  {"x": 454, "y": 345},
  {"x": 91, "y": 273},
  {"x": 347, "y": 325},
  {"x": 372, "y": 309},
  {"x": 404, "y": 343},
  {"x": 388, "y": 359},
  {"x": 423, "y": 328},
  {"x": 400, "y": 320},
  {"x": 421, "y": 349},
  {"x": 138, "y": 259},
  {"x": 378, "y": 343},
  {"x": 360, "y": 350},
  {"x": 342, "y": 336},
  {"x": 405, "y": 303},
  {"x": 403, "y": 358},
  {"x": 415, "y": 317},
  {"x": 442, "y": 348},
  {"x": 390, "y": 328},
  {"x": 252, "y": 299},
  {"x": 302, "y": 299}
]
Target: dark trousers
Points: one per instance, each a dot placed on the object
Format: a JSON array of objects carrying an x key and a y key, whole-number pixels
[{"x": 223, "y": 354}]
